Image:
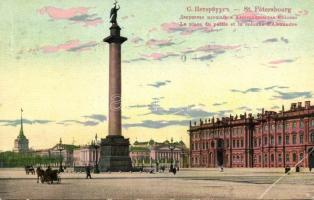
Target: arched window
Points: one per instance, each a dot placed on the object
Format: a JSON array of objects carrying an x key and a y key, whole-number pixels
[
  {"x": 287, "y": 158},
  {"x": 294, "y": 138},
  {"x": 301, "y": 125},
  {"x": 301, "y": 137},
  {"x": 294, "y": 124},
  {"x": 279, "y": 140},
  {"x": 279, "y": 158},
  {"x": 294, "y": 157}
]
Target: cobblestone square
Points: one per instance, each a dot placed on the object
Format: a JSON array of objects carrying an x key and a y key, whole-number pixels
[{"x": 186, "y": 184}]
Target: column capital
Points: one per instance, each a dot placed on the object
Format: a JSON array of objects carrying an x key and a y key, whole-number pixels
[{"x": 115, "y": 35}]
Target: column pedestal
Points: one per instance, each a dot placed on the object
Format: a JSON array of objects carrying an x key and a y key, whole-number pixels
[{"x": 115, "y": 154}]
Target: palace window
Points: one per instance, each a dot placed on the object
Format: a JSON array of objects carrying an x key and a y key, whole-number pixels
[
  {"x": 220, "y": 143},
  {"x": 255, "y": 142},
  {"x": 279, "y": 158},
  {"x": 294, "y": 139},
  {"x": 301, "y": 125},
  {"x": 259, "y": 158},
  {"x": 259, "y": 141},
  {"x": 287, "y": 157},
  {"x": 287, "y": 139},
  {"x": 286, "y": 125},
  {"x": 294, "y": 125},
  {"x": 279, "y": 139},
  {"x": 272, "y": 140},
  {"x": 238, "y": 143},
  {"x": 273, "y": 127},
  {"x": 233, "y": 143},
  {"x": 312, "y": 123},
  {"x": 301, "y": 138},
  {"x": 294, "y": 157},
  {"x": 265, "y": 140},
  {"x": 312, "y": 137},
  {"x": 265, "y": 158},
  {"x": 301, "y": 156},
  {"x": 241, "y": 143},
  {"x": 272, "y": 157}
]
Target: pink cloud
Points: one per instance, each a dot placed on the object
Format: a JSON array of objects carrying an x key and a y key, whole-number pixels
[
  {"x": 93, "y": 22},
  {"x": 160, "y": 56},
  {"x": 59, "y": 13},
  {"x": 173, "y": 27},
  {"x": 212, "y": 48},
  {"x": 207, "y": 48},
  {"x": 278, "y": 62},
  {"x": 77, "y": 15},
  {"x": 159, "y": 43},
  {"x": 72, "y": 45}
]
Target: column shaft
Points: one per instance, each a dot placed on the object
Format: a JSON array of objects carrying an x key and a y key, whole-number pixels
[{"x": 114, "y": 89}]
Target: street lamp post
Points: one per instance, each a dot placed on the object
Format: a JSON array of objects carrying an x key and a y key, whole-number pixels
[
  {"x": 157, "y": 164},
  {"x": 96, "y": 146},
  {"x": 171, "y": 147},
  {"x": 60, "y": 148}
]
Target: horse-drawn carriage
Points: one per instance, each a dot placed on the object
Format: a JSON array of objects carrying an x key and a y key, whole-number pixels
[{"x": 48, "y": 176}]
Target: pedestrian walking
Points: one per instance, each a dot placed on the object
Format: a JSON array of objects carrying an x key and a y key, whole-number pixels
[
  {"x": 88, "y": 175},
  {"x": 174, "y": 171}
]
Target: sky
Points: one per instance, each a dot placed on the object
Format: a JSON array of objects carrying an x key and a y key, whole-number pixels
[{"x": 54, "y": 65}]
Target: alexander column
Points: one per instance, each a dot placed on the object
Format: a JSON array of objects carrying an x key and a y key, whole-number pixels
[{"x": 114, "y": 155}]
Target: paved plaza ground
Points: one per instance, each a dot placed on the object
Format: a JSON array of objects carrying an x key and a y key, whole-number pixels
[{"x": 186, "y": 184}]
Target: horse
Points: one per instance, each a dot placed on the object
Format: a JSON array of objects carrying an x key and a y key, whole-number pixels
[{"x": 40, "y": 173}]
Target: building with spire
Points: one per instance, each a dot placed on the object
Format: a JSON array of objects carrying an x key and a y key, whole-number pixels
[{"x": 21, "y": 142}]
